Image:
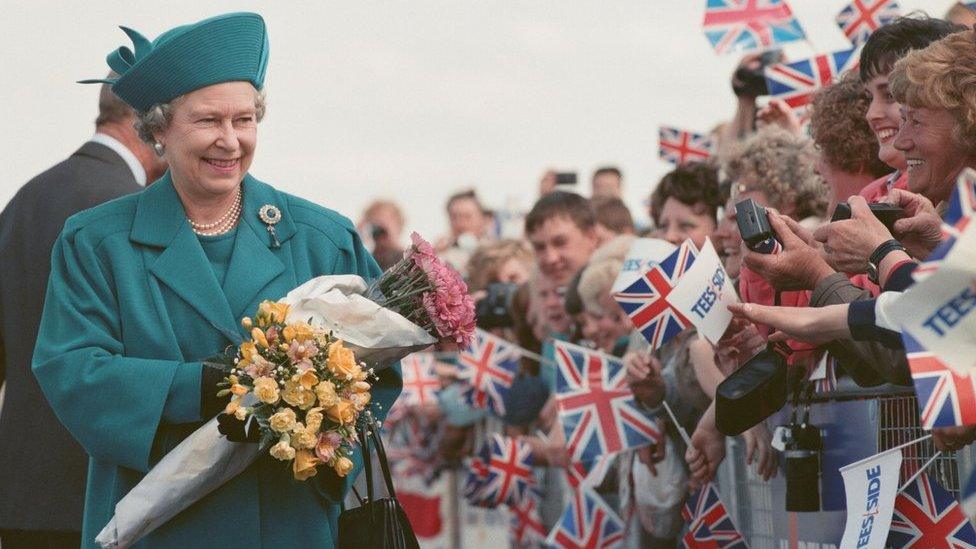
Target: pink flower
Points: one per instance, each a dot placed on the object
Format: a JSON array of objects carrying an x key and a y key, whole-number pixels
[
  {"x": 422, "y": 253},
  {"x": 449, "y": 306},
  {"x": 327, "y": 445},
  {"x": 301, "y": 352},
  {"x": 259, "y": 367}
]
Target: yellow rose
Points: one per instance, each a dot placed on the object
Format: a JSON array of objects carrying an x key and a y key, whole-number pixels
[
  {"x": 232, "y": 406},
  {"x": 342, "y": 361},
  {"x": 283, "y": 421},
  {"x": 360, "y": 387},
  {"x": 304, "y": 465},
  {"x": 246, "y": 323},
  {"x": 359, "y": 400},
  {"x": 266, "y": 389},
  {"x": 298, "y": 331},
  {"x": 304, "y": 440},
  {"x": 313, "y": 420},
  {"x": 270, "y": 312},
  {"x": 299, "y": 396},
  {"x": 342, "y": 413},
  {"x": 238, "y": 389},
  {"x": 308, "y": 379},
  {"x": 241, "y": 413},
  {"x": 342, "y": 466},
  {"x": 283, "y": 451},
  {"x": 258, "y": 336},
  {"x": 326, "y": 393}
]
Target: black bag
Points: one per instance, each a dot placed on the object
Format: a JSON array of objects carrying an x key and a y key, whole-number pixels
[{"x": 376, "y": 523}]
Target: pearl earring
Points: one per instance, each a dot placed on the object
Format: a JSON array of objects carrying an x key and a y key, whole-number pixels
[{"x": 158, "y": 147}]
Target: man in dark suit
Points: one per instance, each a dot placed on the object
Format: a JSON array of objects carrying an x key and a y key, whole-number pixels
[{"x": 42, "y": 468}]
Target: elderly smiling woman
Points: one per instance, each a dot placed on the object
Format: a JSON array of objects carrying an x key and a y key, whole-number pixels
[{"x": 142, "y": 289}]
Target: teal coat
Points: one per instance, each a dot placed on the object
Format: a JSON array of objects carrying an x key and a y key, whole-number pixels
[{"x": 132, "y": 308}]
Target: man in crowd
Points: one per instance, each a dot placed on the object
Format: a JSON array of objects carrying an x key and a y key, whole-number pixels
[
  {"x": 382, "y": 225},
  {"x": 608, "y": 182},
  {"x": 561, "y": 229},
  {"x": 42, "y": 468},
  {"x": 469, "y": 228}
]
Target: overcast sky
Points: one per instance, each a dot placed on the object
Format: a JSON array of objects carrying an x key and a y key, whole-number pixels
[{"x": 411, "y": 100}]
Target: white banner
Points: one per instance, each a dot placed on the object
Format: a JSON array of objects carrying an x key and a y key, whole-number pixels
[
  {"x": 938, "y": 311},
  {"x": 643, "y": 255},
  {"x": 704, "y": 293},
  {"x": 871, "y": 486}
]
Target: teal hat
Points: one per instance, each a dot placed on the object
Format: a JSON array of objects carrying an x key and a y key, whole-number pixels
[{"x": 226, "y": 48}]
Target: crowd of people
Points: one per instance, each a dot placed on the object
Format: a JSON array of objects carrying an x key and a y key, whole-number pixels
[{"x": 897, "y": 130}]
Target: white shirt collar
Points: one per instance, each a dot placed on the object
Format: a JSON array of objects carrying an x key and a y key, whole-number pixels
[{"x": 130, "y": 159}]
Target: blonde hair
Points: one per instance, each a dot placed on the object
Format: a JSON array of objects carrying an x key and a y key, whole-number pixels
[
  {"x": 942, "y": 76},
  {"x": 596, "y": 281},
  {"x": 487, "y": 260},
  {"x": 783, "y": 166}
]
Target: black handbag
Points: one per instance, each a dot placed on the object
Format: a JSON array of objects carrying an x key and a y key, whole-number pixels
[{"x": 376, "y": 523}]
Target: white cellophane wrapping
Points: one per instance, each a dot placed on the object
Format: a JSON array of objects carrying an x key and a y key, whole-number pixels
[{"x": 206, "y": 460}]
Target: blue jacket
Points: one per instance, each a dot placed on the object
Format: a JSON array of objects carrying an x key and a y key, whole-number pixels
[{"x": 132, "y": 308}]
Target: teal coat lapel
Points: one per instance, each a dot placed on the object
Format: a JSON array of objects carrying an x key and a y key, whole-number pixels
[
  {"x": 255, "y": 264},
  {"x": 160, "y": 222}
]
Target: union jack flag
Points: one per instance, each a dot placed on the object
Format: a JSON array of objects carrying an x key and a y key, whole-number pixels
[
  {"x": 796, "y": 82},
  {"x": 945, "y": 398},
  {"x": 411, "y": 446},
  {"x": 509, "y": 471},
  {"x": 597, "y": 410},
  {"x": 587, "y": 523},
  {"x": 742, "y": 25},
  {"x": 709, "y": 523},
  {"x": 487, "y": 368},
  {"x": 526, "y": 525},
  {"x": 645, "y": 300},
  {"x": 420, "y": 383},
  {"x": 962, "y": 206},
  {"x": 680, "y": 146},
  {"x": 862, "y": 17},
  {"x": 477, "y": 474},
  {"x": 928, "y": 516},
  {"x": 588, "y": 474}
]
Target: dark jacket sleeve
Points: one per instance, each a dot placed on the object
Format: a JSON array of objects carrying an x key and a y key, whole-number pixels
[{"x": 868, "y": 363}]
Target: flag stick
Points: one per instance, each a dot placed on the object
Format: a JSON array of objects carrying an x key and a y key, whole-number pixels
[
  {"x": 677, "y": 426},
  {"x": 899, "y": 447},
  {"x": 920, "y": 471}
]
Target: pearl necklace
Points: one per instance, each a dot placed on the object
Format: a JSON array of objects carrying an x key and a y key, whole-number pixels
[{"x": 222, "y": 225}]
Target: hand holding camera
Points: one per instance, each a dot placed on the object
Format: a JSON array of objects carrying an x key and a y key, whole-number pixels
[
  {"x": 848, "y": 244},
  {"x": 797, "y": 266}
]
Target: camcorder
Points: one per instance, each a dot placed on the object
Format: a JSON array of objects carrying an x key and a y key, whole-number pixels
[
  {"x": 495, "y": 309},
  {"x": 752, "y": 393},
  {"x": 887, "y": 214}
]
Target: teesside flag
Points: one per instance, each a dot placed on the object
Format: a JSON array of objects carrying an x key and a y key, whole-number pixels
[
  {"x": 743, "y": 25},
  {"x": 597, "y": 410}
]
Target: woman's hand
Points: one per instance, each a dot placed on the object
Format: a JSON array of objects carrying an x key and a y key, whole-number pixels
[
  {"x": 920, "y": 231},
  {"x": 758, "y": 448},
  {"x": 814, "y": 325},
  {"x": 950, "y": 439},
  {"x": 706, "y": 451},
  {"x": 778, "y": 113},
  {"x": 848, "y": 244},
  {"x": 739, "y": 343},
  {"x": 644, "y": 378},
  {"x": 799, "y": 266}
]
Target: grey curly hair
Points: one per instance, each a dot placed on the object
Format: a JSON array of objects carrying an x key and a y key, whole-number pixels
[{"x": 158, "y": 117}]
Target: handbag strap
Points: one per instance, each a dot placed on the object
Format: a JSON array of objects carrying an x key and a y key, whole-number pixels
[
  {"x": 367, "y": 463},
  {"x": 384, "y": 464}
]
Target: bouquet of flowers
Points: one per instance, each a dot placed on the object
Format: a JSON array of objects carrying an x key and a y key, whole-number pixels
[
  {"x": 303, "y": 378},
  {"x": 309, "y": 391}
]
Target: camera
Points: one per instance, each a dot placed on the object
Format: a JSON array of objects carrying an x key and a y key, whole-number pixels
[
  {"x": 752, "y": 393},
  {"x": 749, "y": 82},
  {"x": 887, "y": 214},
  {"x": 754, "y": 227},
  {"x": 566, "y": 178},
  {"x": 495, "y": 309},
  {"x": 803, "y": 444}
]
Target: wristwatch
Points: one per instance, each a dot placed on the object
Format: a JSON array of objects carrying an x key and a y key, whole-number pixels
[{"x": 878, "y": 255}]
